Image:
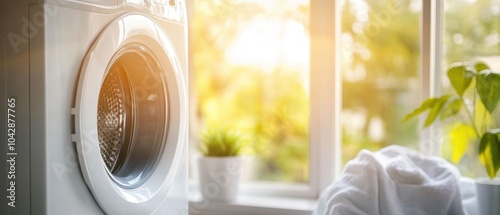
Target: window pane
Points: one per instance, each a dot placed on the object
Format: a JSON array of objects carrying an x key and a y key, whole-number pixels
[
  {"x": 471, "y": 33},
  {"x": 380, "y": 51},
  {"x": 251, "y": 74}
]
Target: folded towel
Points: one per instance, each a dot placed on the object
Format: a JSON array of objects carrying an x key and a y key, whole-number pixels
[{"x": 394, "y": 181}]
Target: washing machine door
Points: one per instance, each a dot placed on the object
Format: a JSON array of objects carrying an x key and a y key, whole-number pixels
[{"x": 130, "y": 116}]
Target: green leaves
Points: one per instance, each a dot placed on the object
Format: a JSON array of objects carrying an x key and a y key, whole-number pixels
[
  {"x": 435, "y": 110},
  {"x": 427, "y": 104},
  {"x": 480, "y": 66},
  {"x": 220, "y": 143},
  {"x": 460, "y": 135},
  {"x": 489, "y": 151},
  {"x": 453, "y": 108},
  {"x": 488, "y": 88},
  {"x": 477, "y": 114},
  {"x": 435, "y": 106},
  {"x": 461, "y": 76}
]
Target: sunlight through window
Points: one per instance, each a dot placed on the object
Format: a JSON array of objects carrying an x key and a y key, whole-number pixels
[{"x": 251, "y": 75}]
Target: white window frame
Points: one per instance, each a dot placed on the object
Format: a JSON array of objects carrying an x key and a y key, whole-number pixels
[
  {"x": 431, "y": 31},
  {"x": 325, "y": 97},
  {"x": 325, "y": 107}
]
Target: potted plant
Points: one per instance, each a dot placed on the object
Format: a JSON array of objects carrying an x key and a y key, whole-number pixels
[
  {"x": 220, "y": 166},
  {"x": 475, "y": 98}
]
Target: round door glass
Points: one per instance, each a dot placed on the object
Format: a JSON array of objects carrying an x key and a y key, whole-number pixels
[{"x": 132, "y": 115}]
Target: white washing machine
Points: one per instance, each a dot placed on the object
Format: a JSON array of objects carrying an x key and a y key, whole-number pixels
[{"x": 94, "y": 107}]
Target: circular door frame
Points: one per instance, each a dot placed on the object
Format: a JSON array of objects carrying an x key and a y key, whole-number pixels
[{"x": 149, "y": 196}]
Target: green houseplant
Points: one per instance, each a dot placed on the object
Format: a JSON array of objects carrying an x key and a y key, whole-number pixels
[
  {"x": 475, "y": 97},
  {"x": 220, "y": 143},
  {"x": 220, "y": 166},
  {"x": 473, "y": 107}
]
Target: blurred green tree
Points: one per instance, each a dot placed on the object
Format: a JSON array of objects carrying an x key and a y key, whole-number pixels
[
  {"x": 380, "y": 69},
  {"x": 270, "y": 107}
]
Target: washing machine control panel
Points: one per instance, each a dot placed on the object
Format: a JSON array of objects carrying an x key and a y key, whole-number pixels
[
  {"x": 165, "y": 2},
  {"x": 169, "y": 9},
  {"x": 110, "y": 4},
  {"x": 173, "y": 10}
]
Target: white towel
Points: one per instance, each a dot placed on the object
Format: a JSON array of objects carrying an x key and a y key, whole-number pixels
[{"x": 394, "y": 181}]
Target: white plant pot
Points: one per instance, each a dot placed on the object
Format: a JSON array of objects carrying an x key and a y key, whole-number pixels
[
  {"x": 219, "y": 178},
  {"x": 488, "y": 196}
]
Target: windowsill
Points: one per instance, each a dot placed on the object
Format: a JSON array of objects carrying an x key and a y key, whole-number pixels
[
  {"x": 252, "y": 205},
  {"x": 258, "y": 198}
]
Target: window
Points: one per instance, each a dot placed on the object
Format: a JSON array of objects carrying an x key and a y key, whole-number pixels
[
  {"x": 251, "y": 74},
  {"x": 372, "y": 62}
]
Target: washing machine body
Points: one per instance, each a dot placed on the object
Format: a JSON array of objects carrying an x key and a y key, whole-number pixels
[{"x": 97, "y": 92}]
